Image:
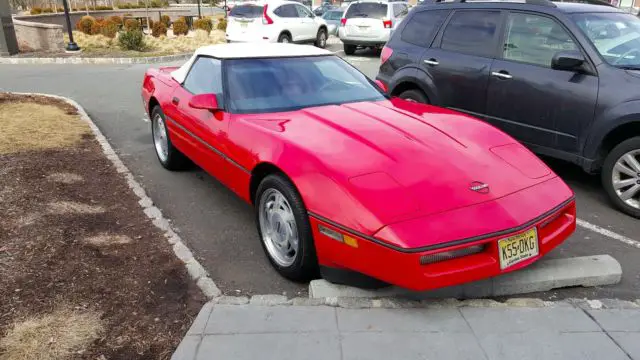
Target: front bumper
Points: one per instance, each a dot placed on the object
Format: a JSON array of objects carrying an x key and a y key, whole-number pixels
[{"x": 402, "y": 267}]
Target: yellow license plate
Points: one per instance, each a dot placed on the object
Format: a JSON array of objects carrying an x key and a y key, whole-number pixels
[{"x": 518, "y": 248}]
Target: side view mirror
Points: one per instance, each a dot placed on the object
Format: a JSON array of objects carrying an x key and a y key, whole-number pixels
[
  {"x": 567, "y": 60},
  {"x": 205, "y": 102}
]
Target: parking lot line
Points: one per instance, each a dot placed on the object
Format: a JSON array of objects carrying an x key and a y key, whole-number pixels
[{"x": 608, "y": 233}]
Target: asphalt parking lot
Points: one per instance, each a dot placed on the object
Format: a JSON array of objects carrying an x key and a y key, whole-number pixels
[{"x": 220, "y": 228}]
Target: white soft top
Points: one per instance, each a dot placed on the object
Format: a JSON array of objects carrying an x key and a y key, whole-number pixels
[{"x": 247, "y": 50}]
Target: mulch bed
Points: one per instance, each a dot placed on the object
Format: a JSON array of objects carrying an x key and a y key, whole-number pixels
[{"x": 143, "y": 292}]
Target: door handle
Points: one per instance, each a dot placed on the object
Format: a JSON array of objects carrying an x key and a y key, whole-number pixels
[
  {"x": 501, "y": 74},
  {"x": 175, "y": 101},
  {"x": 432, "y": 62}
]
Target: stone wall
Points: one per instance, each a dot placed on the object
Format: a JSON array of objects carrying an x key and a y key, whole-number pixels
[
  {"x": 34, "y": 36},
  {"x": 154, "y": 14}
]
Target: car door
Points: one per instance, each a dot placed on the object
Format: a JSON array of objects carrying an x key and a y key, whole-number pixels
[
  {"x": 288, "y": 15},
  {"x": 528, "y": 99},
  {"x": 207, "y": 132},
  {"x": 459, "y": 62},
  {"x": 308, "y": 26}
]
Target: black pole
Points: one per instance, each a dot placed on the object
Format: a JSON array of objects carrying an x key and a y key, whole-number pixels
[
  {"x": 71, "y": 46},
  {"x": 199, "y": 13}
]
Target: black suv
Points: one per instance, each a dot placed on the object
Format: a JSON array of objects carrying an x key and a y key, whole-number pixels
[{"x": 563, "y": 78}]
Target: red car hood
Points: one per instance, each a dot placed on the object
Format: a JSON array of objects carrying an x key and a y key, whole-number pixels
[{"x": 401, "y": 160}]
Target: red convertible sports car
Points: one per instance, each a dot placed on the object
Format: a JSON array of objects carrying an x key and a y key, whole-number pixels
[{"x": 348, "y": 183}]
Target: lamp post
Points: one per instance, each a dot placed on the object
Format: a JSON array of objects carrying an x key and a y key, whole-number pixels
[
  {"x": 71, "y": 46},
  {"x": 199, "y": 13}
]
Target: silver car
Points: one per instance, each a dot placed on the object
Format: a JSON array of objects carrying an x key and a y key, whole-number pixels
[
  {"x": 332, "y": 18},
  {"x": 370, "y": 23}
]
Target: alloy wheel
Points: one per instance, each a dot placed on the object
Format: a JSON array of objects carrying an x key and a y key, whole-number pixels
[
  {"x": 278, "y": 227},
  {"x": 160, "y": 138},
  {"x": 625, "y": 178}
]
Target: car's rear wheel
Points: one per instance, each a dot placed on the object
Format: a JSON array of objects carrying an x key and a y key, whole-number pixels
[
  {"x": 414, "y": 95},
  {"x": 169, "y": 157},
  {"x": 284, "y": 229},
  {"x": 621, "y": 176},
  {"x": 349, "y": 49},
  {"x": 321, "y": 38},
  {"x": 284, "y": 38}
]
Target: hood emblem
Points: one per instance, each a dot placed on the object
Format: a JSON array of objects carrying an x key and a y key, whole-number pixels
[{"x": 479, "y": 187}]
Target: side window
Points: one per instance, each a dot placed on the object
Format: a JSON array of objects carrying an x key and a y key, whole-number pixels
[
  {"x": 423, "y": 26},
  {"x": 286, "y": 11},
  {"x": 534, "y": 39},
  {"x": 471, "y": 32},
  {"x": 205, "y": 77},
  {"x": 303, "y": 11}
]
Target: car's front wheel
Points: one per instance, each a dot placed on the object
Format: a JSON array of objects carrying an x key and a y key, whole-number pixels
[
  {"x": 170, "y": 157},
  {"x": 284, "y": 229},
  {"x": 621, "y": 176},
  {"x": 321, "y": 38}
]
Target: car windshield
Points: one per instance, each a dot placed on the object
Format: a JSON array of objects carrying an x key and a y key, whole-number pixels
[
  {"x": 367, "y": 10},
  {"x": 286, "y": 84},
  {"x": 616, "y": 36},
  {"x": 332, "y": 15},
  {"x": 246, "y": 11}
]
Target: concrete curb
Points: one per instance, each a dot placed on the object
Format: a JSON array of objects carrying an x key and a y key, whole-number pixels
[
  {"x": 95, "y": 61},
  {"x": 196, "y": 271},
  {"x": 545, "y": 275}
]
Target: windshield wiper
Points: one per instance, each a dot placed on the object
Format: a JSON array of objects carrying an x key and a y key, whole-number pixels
[{"x": 628, "y": 67}]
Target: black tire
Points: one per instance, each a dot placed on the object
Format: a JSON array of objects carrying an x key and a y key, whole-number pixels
[
  {"x": 414, "y": 95},
  {"x": 349, "y": 49},
  {"x": 305, "y": 265},
  {"x": 175, "y": 160},
  {"x": 321, "y": 42},
  {"x": 284, "y": 38},
  {"x": 607, "y": 172}
]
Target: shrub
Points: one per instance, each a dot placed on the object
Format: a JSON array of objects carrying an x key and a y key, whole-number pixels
[
  {"x": 150, "y": 23},
  {"x": 131, "y": 40},
  {"x": 131, "y": 24},
  {"x": 116, "y": 19},
  {"x": 35, "y": 10},
  {"x": 166, "y": 20},
  {"x": 61, "y": 9},
  {"x": 124, "y": 6},
  {"x": 159, "y": 28},
  {"x": 180, "y": 27},
  {"x": 96, "y": 27},
  {"x": 109, "y": 29},
  {"x": 85, "y": 24},
  {"x": 222, "y": 24},
  {"x": 203, "y": 24},
  {"x": 47, "y": 10}
]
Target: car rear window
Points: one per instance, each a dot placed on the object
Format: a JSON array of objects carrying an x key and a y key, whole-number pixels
[
  {"x": 367, "y": 10},
  {"x": 246, "y": 11},
  {"x": 423, "y": 26},
  {"x": 332, "y": 15}
]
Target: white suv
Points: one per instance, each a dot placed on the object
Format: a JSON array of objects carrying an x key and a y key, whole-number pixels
[
  {"x": 275, "y": 21},
  {"x": 370, "y": 23}
]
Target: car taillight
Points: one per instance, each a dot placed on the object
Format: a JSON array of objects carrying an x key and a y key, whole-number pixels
[
  {"x": 387, "y": 24},
  {"x": 385, "y": 54},
  {"x": 265, "y": 18},
  {"x": 343, "y": 22}
]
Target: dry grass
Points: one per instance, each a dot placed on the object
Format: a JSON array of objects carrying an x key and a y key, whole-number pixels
[
  {"x": 53, "y": 336},
  {"x": 164, "y": 45},
  {"x": 29, "y": 126}
]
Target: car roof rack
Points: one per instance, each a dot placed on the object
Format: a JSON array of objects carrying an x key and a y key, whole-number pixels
[
  {"x": 592, "y": 2},
  {"x": 530, "y": 2}
]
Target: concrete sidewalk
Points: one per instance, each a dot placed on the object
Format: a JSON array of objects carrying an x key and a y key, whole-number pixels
[{"x": 560, "y": 330}]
